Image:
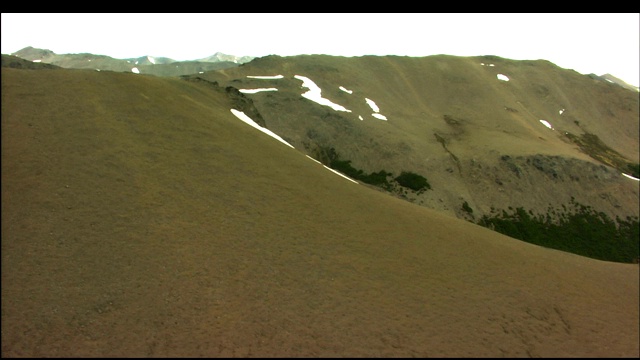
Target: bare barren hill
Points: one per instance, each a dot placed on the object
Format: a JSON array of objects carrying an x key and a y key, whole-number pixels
[{"x": 141, "y": 217}]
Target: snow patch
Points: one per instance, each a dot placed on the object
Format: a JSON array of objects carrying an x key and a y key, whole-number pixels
[
  {"x": 253, "y": 91},
  {"x": 345, "y": 90},
  {"x": 315, "y": 94},
  {"x": 631, "y": 177},
  {"x": 266, "y": 77},
  {"x": 336, "y": 172},
  {"x": 375, "y": 108},
  {"x": 247, "y": 120},
  {"x": 313, "y": 159},
  {"x": 372, "y": 104},
  {"x": 546, "y": 123}
]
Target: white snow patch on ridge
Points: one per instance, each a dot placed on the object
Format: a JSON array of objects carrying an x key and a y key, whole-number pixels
[
  {"x": 253, "y": 91},
  {"x": 315, "y": 94},
  {"x": 345, "y": 90},
  {"x": 546, "y": 123},
  {"x": 313, "y": 159},
  {"x": 266, "y": 77},
  {"x": 242, "y": 116},
  {"x": 372, "y": 104},
  {"x": 376, "y": 109},
  {"x": 631, "y": 177},
  {"x": 344, "y": 176}
]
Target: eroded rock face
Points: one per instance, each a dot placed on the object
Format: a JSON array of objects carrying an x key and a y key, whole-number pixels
[
  {"x": 245, "y": 104},
  {"x": 239, "y": 101},
  {"x": 539, "y": 181}
]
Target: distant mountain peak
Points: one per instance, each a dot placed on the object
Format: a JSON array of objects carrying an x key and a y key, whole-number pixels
[
  {"x": 31, "y": 53},
  {"x": 218, "y": 56},
  {"x": 612, "y": 79}
]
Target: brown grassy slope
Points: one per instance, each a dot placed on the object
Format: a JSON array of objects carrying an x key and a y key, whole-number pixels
[
  {"x": 452, "y": 120},
  {"x": 416, "y": 93},
  {"x": 141, "y": 218}
]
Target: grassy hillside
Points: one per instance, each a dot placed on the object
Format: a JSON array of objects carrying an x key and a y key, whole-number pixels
[
  {"x": 140, "y": 217},
  {"x": 455, "y": 121}
]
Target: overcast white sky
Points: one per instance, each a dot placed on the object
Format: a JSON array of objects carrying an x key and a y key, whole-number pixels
[{"x": 585, "y": 42}]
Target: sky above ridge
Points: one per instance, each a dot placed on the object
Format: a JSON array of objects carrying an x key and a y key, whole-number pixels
[{"x": 585, "y": 42}]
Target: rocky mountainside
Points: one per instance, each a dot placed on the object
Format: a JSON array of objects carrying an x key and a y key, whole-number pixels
[
  {"x": 143, "y": 216},
  {"x": 488, "y": 133}
]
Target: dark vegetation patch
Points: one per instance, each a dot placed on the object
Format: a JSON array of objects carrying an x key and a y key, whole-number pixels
[
  {"x": 413, "y": 181},
  {"x": 577, "y": 229},
  {"x": 467, "y": 208},
  {"x": 634, "y": 170},
  {"x": 594, "y": 147},
  {"x": 383, "y": 179}
]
